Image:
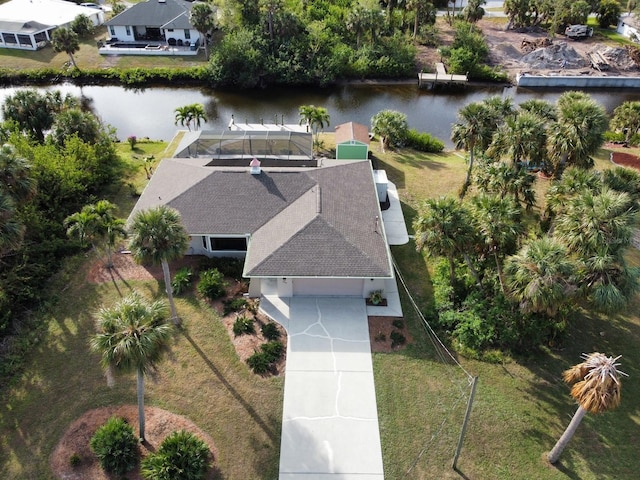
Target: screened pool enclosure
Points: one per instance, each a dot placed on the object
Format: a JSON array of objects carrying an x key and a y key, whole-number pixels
[{"x": 238, "y": 147}]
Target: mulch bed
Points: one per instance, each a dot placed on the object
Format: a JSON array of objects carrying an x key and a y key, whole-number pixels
[
  {"x": 625, "y": 159},
  {"x": 159, "y": 424}
]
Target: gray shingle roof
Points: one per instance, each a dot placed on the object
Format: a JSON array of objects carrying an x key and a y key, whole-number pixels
[
  {"x": 153, "y": 13},
  {"x": 305, "y": 222}
]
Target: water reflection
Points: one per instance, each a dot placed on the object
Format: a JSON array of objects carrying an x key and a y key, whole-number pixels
[{"x": 150, "y": 112}]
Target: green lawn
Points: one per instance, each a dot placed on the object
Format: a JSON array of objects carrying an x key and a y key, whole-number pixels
[{"x": 521, "y": 405}]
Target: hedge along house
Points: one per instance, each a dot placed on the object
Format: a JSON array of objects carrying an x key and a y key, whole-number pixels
[
  {"x": 29, "y": 24},
  {"x": 314, "y": 230},
  {"x": 152, "y": 27},
  {"x": 352, "y": 141}
]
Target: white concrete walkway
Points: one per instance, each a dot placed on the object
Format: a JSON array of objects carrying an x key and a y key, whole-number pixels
[{"x": 330, "y": 418}]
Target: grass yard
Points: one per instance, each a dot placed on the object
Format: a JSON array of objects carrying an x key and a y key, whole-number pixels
[{"x": 521, "y": 405}]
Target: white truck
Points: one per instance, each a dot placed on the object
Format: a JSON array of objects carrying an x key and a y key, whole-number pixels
[{"x": 576, "y": 32}]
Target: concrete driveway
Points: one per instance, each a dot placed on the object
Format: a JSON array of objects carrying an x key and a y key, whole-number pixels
[{"x": 330, "y": 418}]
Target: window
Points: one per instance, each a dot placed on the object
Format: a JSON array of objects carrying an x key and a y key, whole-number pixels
[
  {"x": 236, "y": 244},
  {"x": 112, "y": 31},
  {"x": 169, "y": 29},
  {"x": 128, "y": 30},
  {"x": 187, "y": 33}
]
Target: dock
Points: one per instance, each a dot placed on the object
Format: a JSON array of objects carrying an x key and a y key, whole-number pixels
[{"x": 441, "y": 77}]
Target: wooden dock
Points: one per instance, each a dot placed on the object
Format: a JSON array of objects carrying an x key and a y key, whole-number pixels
[{"x": 441, "y": 77}]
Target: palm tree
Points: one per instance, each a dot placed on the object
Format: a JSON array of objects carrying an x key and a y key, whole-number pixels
[
  {"x": 578, "y": 133},
  {"x": 11, "y": 230},
  {"x": 540, "y": 276},
  {"x": 133, "y": 336},
  {"x": 190, "y": 113},
  {"x": 423, "y": 10},
  {"x": 473, "y": 125},
  {"x": 315, "y": 117},
  {"x": 502, "y": 179},
  {"x": 443, "y": 228},
  {"x": 474, "y": 11},
  {"x": 109, "y": 227},
  {"x": 543, "y": 109},
  {"x": 15, "y": 175},
  {"x": 82, "y": 225},
  {"x": 596, "y": 388},
  {"x": 66, "y": 40},
  {"x": 626, "y": 119},
  {"x": 157, "y": 237},
  {"x": 390, "y": 126},
  {"x": 498, "y": 222},
  {"x": 522, "y": 137},
  {"x": 573, "y": 182},
  {"x": 202, "y": 19}
]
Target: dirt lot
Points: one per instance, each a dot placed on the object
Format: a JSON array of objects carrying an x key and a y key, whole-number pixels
[{"x": 515, "y": 51}]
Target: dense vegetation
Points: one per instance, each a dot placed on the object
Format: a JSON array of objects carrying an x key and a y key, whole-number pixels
[{"x": 57, "y": 158}]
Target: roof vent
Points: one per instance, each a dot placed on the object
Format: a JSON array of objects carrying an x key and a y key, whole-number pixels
[{"x": 255, "y": 166}]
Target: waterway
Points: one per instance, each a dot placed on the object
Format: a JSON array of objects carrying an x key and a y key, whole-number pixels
[{"x": 150, "y": 112}]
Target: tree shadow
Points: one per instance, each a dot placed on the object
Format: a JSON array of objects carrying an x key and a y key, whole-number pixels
[{"x": 246, "y": 405}]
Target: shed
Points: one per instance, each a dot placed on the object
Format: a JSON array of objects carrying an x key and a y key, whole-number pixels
[{"x": 352, "y": 141}]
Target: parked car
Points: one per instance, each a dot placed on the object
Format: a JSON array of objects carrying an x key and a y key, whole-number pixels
[{"x": 91, "y": 5}]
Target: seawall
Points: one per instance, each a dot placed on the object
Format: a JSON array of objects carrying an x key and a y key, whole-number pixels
[{"x": 577, "y": 81}]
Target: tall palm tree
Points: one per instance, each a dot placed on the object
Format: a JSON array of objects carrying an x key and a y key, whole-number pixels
[
  {"x": 541, "y": 276},
  {"x": 498, "y": 222},
  {"x": 543, "y": 109},
  {"x": 188, "y": 114},
  {"x": 473, "y": 126},
  {"x": 596, "y": 388},
  {"x": 573, "y": 182},
  {"x": 443, "y": 228},
  {"x": 522, "y": 137},
  {"x": 66, "y": 40},
  {"x": 203, "y": 20},
  {"x": 502, "y": 179},
  {"x": 157, "y": 237},
  {"x": 578, "y": 133},
  {"x": 133, "y": 336},
  {"x": 315, "y": 117}
]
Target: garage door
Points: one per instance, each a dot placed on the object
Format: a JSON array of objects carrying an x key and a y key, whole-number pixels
[{"x": 341, "y": 287}]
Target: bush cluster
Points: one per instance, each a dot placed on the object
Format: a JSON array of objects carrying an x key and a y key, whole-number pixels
[
  {"x": 116, "y": 446},
  {"x": 181, "y": 455},
  {"x": 261, "y": 362},
  {"x": 182, "y": 280},
  {"x": 243, "y": 326},
  {"x": 423, "y": 142},
  {"x": 234, "y": 305},
  {"x": 270, "y": 331},
  {"x": 212, "y": 285}
]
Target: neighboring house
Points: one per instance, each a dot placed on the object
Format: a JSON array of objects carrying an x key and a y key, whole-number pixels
[
  {"x": 157, "y": 25},
  {"x": 629, "y": 26},
  {"x": 301, "y": 230},
  {"x": 29, "y": 24},
  {"x": 352, "y": 141}
]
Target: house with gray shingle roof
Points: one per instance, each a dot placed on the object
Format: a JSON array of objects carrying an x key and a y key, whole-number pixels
[
  {"x": 152, "y": 26},
  {"x": 313, "y": 230}
]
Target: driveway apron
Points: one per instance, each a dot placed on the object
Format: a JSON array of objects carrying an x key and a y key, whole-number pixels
[{"x": 330, "y": 418}]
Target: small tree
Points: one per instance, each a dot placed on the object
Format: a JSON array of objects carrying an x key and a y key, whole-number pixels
[
  {"x": 82, "y": 26},
  {"x": 608, "y": 13},
  {"x": 201, "y": 17},
  {"x": 391, "y": 127},
  {"x": 596, "y": 388},
  {"x": 66, "y": 40}
]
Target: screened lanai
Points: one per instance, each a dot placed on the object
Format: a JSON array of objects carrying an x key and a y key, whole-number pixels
[{"x": 234, "y": 147}]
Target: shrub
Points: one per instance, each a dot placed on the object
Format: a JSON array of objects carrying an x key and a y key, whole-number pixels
[
  {"x": 259, "y": 362},
  {"x": 75, "y": 460},
  {"x": 211, "y": 284},
  {"x": 182, "y": 280},
  {"x": 398, "y": 323},
  {"x": 229, "y": 266},
  {"x": 424, "y": 142},
  {"x": 273, "y": 350},
  {"x": 181, "y": 455},
  {"x": 116, "y": 446},
  {"x": 243, "y": 325},
  {"x": 270, "y": 331},
  {"x": 132, "y": 141},
  {"x": 234, "y": 305},
  {"x": 397, "y": 339}
]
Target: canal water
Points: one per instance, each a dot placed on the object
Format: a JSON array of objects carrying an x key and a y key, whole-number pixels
[{"x": 150, "y": 112}]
